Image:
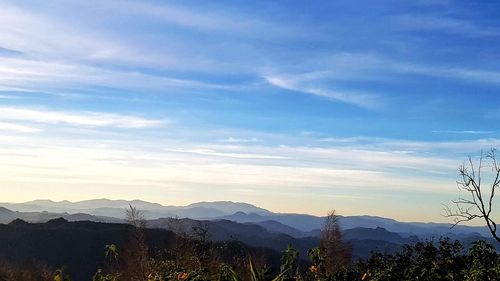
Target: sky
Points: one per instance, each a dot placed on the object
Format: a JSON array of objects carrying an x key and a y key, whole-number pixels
[{"x": 366, "y": 107}]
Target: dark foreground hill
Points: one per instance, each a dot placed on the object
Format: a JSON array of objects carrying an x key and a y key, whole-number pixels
[{"x": 78, "y": 247}]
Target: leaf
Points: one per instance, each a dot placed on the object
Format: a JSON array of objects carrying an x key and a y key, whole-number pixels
[
  {"x": 281, "y": 276},
  {"x": 253, "y": 274}
]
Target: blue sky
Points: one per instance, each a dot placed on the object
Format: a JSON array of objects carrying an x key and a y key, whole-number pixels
[{"x": 363, "y": 107}]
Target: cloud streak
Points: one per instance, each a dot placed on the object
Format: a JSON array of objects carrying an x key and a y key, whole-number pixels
[
  {"x": 455, "y": 26},
  {"x": 85, "y": 119},
  {"x": 21, "y": 74},
  {"x": 5, "y": 126},
  {"x": 363, "y": 100},
  {"x": 468, "y": 132}
]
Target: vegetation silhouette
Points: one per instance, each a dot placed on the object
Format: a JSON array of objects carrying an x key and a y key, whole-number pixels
[{"x": 132, "y": 252}]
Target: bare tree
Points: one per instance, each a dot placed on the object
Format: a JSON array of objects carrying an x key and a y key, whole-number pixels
[{"x": 479, "y": 202}]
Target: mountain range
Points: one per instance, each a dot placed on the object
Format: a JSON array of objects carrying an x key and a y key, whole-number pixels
[
  {"x": 59, "y": 224},
  {"x": 115, "y": 208},
  {"x": 295, "y": 225},
  {"x": 240, "y": 218}
]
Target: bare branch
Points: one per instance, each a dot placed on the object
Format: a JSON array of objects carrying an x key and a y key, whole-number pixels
[{"x": 468, "y": 209}]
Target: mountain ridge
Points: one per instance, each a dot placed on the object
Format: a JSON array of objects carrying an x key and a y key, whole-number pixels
[{"x": 298, "y": 225}]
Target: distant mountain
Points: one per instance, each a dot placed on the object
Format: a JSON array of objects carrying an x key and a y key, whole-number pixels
[
  {"x": 410, "y": 228},
  {"x": 67, "y": 206},
  {"x": 277, "y": 227},
  {"x": 116, "y": 208},
  {"x": 311, "y": 224},
  {"x": 380, "y": 234},
  {"x": 228, "y": 207},
  {"x": 365, "y": 221},
  {"x": 250, "y": 234},
  {"x": 295, "y": 225},
  {"x": 365, "y": 240},
  {"x": 301, "y": 222},
  {"x": 362, "y": 240},
  {"x": 5, "y": 211},
  {"x": 6, "y": 216}
]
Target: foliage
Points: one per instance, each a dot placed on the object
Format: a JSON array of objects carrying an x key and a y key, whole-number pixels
[
  {"x": 29, "y": 272},
  {"x": 335, "y": 253},
  {"x": 61, "y": 275},
  {"x": 444, "y": 260}
]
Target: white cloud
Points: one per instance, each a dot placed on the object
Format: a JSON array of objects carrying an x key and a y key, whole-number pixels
[
  {"x": 83, "y": 33},
  {"x": 416, "y": 147},
  {"x": 468, "y": 74},
  {"x": 296, "y": 83},
  {"x": 238, "y": 155},
  {"x": 51, "y": 76},
  {"x": 322, "y": 76},
  {"x": 88, "y": 119},
  {"x": 189, "y": 17},
  {"x": 469, "y": 132},
  {"x": 17, "y": 128},
  {"x": 37, "y": 35},
  {"x": 240, "y": 140}
]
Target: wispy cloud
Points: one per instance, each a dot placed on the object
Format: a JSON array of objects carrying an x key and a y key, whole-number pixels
[
  {"x": 88, "y": 119},
  {"x": 17, "y": 128},
  {"x": 469, "y": 132},
  {"x": 201, "y": 20},
  {"x": 456, "y": 26},
  {"x": 292, "y": 83},
  {"x": 106, "y": 164},
  {"x": 24, "y": 31},
  {"x": 9, "y": 52},
  {"x": 124, "y": 162},
  {"x": 416, "y": 147},
  {"x": 47, "y": 76},
  {"x": 240, "y": 140},
  {"x": 228, "y": 154},
  {"x": 376, "y": 67},
  {"x": 468, "y": 74}
]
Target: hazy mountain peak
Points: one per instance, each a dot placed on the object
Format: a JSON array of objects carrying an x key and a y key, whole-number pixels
[
  {"x": 5, "y": 211},
  {"x": 57, "y": 221},
  {"x": 18, "y": 222},
  {"x": 40, "y": 201},
  {"x": 230, "y": 207}
]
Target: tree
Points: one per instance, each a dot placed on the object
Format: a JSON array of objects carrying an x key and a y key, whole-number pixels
[
  {"x": 135, "y": 217},
  {"x": 337, "y": 254},
  {"x": 479, "y": 204},
  {"x": 136, "y": 253}
]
